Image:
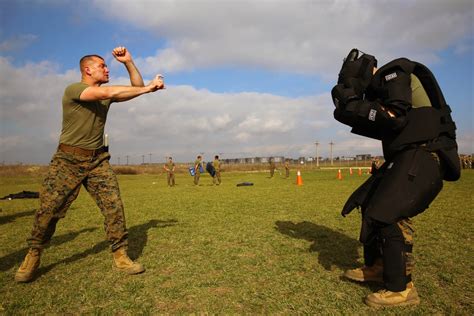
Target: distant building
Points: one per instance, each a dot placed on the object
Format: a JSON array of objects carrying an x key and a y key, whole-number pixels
[
  {"x": 364, "y": 157},
  {"x": 278, "y": 159},
  {"x": 253, "y": 160}
]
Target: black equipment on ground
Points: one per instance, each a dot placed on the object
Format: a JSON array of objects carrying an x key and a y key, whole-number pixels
[{"x": 21, "y": 195}]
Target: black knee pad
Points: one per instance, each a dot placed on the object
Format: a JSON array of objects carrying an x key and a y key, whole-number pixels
[
  {"x": 394, "y": 258},
  {"x": 370, "y": 238}
]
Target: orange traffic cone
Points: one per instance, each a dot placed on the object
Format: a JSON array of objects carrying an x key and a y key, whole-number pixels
[
  {"x": 299, "y": 180},
  {"x": 339, "y": 174},
  {"x": 360, "y": 171},
  {"x": 350, "y": 171}
]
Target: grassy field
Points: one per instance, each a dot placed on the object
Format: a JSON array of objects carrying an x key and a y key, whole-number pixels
[{"x": 271, "y": 248}]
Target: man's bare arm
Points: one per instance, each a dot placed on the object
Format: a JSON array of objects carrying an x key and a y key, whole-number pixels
[
  {"x": 123, "y": 56},
  {"x": 135, "y": 77},
  {"x": 120, "y": 93}
]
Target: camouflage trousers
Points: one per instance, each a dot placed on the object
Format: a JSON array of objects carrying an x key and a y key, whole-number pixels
[
  {"x": 170, "y": 179},
  {"x": 66, "y": 173},
  {"x": 217, "y": 178},
  {"x": 406, "y": 227},
  {"x": 197, "y": 175}
]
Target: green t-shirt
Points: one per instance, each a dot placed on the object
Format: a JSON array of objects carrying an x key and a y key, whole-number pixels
[
  {"x": 419, "y": 97},
  {"x": 83, "y": 122},
  {"x": 216, "y": 164},
  {"x": 170, "y": 166},
  {"x": 198, "y": 164}
]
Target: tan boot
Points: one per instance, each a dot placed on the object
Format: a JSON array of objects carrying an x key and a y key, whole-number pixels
[
  {"x": 29, "y": 265},
  {"x": 388, "y": 298},
  {"x": 124, "y": 263},
  {"x": 366, "y": 274}
]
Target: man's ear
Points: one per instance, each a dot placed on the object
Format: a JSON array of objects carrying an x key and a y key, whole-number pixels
[{"x": 87, "y": 71}]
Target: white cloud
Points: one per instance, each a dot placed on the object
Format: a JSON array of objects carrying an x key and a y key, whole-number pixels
[
  {"x": 17, "y": 43},
  {"x": 222, "y": 121},
  {"x": 242, "y": 137},
  {"x": 200, "y": 120},
  {"x": 466, "y": 143},
  {"x": 297, "y": 36}
]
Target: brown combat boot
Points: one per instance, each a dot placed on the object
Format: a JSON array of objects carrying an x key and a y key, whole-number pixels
[
  {"x": 123, "y": 263},
  {"x": 29, "y": 265},
  {"x": 385, "y": 298},
  {"x": 366, "y": 274}
]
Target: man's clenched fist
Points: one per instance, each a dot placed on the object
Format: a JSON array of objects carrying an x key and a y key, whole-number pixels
[
  {"x": 121, "y": 54},
  {"x": 157, "y": 83}
]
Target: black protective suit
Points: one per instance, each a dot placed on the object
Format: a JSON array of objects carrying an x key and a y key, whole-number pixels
[{"x": 419, "y": 146}]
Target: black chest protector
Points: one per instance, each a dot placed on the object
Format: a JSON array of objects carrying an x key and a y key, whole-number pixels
[{"x": 431, "y": 127}]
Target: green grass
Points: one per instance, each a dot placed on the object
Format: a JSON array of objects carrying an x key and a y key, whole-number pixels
[{"x": 271, "y": 248}]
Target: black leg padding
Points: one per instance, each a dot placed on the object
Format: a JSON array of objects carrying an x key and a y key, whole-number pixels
[{"x": 393, "y": 250}]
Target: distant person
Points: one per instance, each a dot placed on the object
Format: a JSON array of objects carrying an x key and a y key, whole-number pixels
[
  {"x": 400, "y": 104},
  {"x": 197, "y": 169},
  {"x": 81, "y": 159},
  {"x": 170, "y": 167},
  {"x": 271, "y": 162},
  {"x": 287, "y": 168},
  {"x": 374, "y": 166},
  {"x": 217, "y": 167}
]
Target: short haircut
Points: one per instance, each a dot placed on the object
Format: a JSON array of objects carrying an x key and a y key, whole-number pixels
[
  {"x": 84, "y": 60},
  {"x": 199, "y": 156},
  {"x": 216, "y": 157}
]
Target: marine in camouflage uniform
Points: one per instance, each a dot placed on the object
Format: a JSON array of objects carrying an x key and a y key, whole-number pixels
[
  {"x": 67, "y": 172},
  {"x": 197, "y": 169},
  {"x": 217, "y": 167},
  {"x": 82, "y": 159},
  {"x": 287, "y": 169},
  {"x": 271, "y": 162},
  {"x": 169, "y": 167}
]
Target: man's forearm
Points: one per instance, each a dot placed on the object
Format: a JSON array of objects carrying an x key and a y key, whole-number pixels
[
  {"x": 115, "y": 93},
  {"x": 124, "y": 93},
  {"x": 135, "y": 77}
]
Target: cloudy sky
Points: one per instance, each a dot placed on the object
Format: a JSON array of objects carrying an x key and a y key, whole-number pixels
[{"x": 244, "y": 78}]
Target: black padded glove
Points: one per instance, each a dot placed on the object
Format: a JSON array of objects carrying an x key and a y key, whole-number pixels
[
  {"x": 342, "y": 95},
  {"x": 357, "y": 72}
]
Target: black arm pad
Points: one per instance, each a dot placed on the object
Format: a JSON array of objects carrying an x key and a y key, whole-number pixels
[{"x": 369, "y": 116}]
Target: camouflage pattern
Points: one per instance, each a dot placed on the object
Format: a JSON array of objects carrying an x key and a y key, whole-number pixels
[
  {"x": 373, "y": 250},
  {"x": 217, "y": 177},
  {"x": 197, "y": 171},
  {"x": 272, "y": 168},
  {"x": 287, "y": 169},
  {"x": 61, "y": 187},
  {"x": 170, "y": 173},
  {"x": 170, "y": 179},
  {"x": 406, "y": 226}
]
